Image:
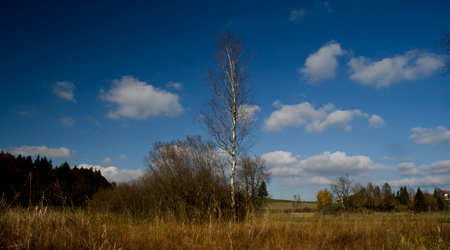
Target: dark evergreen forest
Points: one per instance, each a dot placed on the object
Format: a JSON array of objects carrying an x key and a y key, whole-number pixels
[{"x": 26, "y": 182}]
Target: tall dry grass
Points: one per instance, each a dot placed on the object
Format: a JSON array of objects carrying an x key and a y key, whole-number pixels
[{"x": 44, "y": 228}]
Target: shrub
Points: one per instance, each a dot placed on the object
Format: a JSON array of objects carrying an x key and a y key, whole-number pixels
[
  {"x": 333, "y": 210},
  {"x": 306, "y": 210},
  {"x": 401, "y": 208},
  {"x": 185, "y": 180}
]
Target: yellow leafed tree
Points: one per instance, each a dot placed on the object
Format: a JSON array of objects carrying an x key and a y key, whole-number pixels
[{"x": 324, "y": 198}]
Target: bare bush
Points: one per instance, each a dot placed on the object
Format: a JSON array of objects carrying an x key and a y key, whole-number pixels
[
  {"x": 252, "y": 176},
  {"x": 185, "y": 180}
]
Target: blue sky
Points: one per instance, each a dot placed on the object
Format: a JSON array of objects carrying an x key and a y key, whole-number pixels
[{"x": 342, "y": 86}]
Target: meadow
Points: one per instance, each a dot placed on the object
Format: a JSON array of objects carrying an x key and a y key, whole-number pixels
[{"x": 49, "y": 228}]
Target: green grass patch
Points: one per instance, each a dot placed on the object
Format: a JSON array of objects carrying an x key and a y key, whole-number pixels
[{"x": 288, "y": 206}]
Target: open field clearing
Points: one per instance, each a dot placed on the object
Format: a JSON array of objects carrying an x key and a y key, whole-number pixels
[
  {"x": 42, "y": 228},
  {"x": 286, "y": 205}
]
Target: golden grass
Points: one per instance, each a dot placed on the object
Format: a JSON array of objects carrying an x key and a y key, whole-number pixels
[{"x": 42, "y": 228}]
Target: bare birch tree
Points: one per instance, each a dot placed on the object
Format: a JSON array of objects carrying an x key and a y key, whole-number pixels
[{"x": 228, "y": 115}]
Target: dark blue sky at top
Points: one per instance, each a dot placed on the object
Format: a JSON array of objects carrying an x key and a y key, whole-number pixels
[{"x": 91, "y": 44}]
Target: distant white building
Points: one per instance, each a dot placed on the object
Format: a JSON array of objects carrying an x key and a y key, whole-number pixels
[{"x": 446, "y": 194}]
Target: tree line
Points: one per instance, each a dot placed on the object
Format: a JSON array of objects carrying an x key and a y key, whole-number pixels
[
  {"x": 26, "y": 182},
  {"x": 354, "y": 196}
]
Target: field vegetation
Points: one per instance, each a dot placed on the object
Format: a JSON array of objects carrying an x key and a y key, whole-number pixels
[{"x": 43, "y": 227}]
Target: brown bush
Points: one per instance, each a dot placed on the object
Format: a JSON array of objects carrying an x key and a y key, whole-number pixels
[{"x": 185, "y": 180}]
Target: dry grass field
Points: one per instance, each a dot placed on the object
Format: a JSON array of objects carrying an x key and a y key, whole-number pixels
[{"x": 43, "y": 228}]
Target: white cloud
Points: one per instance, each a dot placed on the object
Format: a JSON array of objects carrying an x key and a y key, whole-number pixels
[
  {"x": 282, "y": 163},
  {"x": 315, "y": 120},
  {"x": 277, "y": 158},
  {"x": 293, "y": 115},
  {"x": 327, "y": 164},
  {"x": 297, "y": 14},
  {"x": 112, "y": 173},
  {"x": 316, "y": 180},
  {"x": 391, "y": 158},
  {"x": 107, "y": 161},
  {"x": 139, "y": 100},
  {"x": 376, "y": 121},
  {"x": 439, "y": 167},
  {"x": 409, "y": 169},
  {"x": 331, "y": 164},
  {"x": 338, "y": 118},
  {"x": 68, "y": 122},
  {"x": 175, "y": 85},
  {"x": 430, "y": 136},
  {"x": 412, "y": 65},
  {"x": 64, "y": 90},
  {"x": 248, "y": 111},
  {"x": 39, "y": 150},
  {"x": 322, "y": 65},
  {"x": 123, "y": 157},
  {"x": 427, "y": 181},
  {"x": 435, "y": 168}
]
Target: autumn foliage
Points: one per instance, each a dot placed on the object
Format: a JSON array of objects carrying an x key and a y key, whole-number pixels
[{"x": 324, "y": 198}]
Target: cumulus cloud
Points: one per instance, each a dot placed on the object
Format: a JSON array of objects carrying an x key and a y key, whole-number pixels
[
  {"x": 277, "y": 158},
  {"x": 338, "y": 118},
  {"x": 314, "y": 120},
  {"x": 327, "y": 164},
  {"x": 112, "y": 173},
  {"x": 282, "y": 163},
  {"x": 322, "y": 65},
  {"x": 61, "y": 152},
  {"x": 376, "y": 121},
  {"x": 293, "y": 115},
  {"x": 412, "y": 65},
  {"x": 138, "y": 100},
  {"x": 331, "y": 164},
  {"x": 297, "y": 14},
  {"x": 430, "y": 136},
  {"x": 65, "y": 90},
  {"x": 107, "y": 161}
]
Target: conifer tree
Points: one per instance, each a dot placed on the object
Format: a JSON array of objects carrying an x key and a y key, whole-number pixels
[{"x": 420, "y": 204}]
